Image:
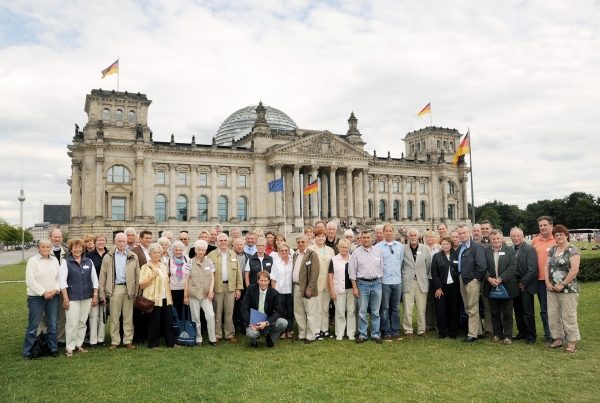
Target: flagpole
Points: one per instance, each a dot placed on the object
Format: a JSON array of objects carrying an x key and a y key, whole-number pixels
[
  {"x": 430, "y": 115},
  {"x": 471, "y": 163},
  {"x": 284, "y": 212},
  {"x": 118, "y": 73}
]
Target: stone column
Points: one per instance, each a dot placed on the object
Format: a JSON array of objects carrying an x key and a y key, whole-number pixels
[
  {"x": 297, "y": 193},
  {"x": 252, "y": 208},
  {"x": 323, "y": 189},
  {"x": 333, "y": 192},
  {"x": 365, "y": 186},
  {"x": 305, "y": 198},
  {"x": 193, "y": 202},
  {"x": 465, "y": 215},
  {"x": 149, "y": 180},
  {"x": 349, "y": 194},
  {"x": 76, "y": 189},
  {"x": 390, "y": 212},
  {"x": 233, "y": 195},
  {"x": 444, "y": 214},
  {"x": 139, "y": 187},
  {"x": 314, "y": 196},
  {"x": 172, "y": 193},
  {"x": 214, "y": 205},
  {"x": 99, "y": 193},
  {"x": 287, "y": 208},
  {"x": 278, "y": 196},
  {"x": 404, "y": 203},
  {"x": 376, "y": 196},
  {"x": 263, "y": 209},
  {"x": 417, "y": 217}
]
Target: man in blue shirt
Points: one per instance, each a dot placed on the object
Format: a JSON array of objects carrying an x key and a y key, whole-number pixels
[{"x": 391, "y": 284}]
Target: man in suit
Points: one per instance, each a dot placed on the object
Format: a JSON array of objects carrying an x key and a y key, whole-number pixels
[
  {"x": 304, "y": 279},
  {"x": 140, "y": 320},
  {"x": 416, "y": 270},
  {"x": 142, "y": 250},
  {"x": 501, "y": 265},
  {"x": 265, "y": 299},
  {"x": 526, "y": 275},
  {"x": 472, "y": 267}
]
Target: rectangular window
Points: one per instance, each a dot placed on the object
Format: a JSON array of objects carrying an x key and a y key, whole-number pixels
[
  {"x": 396, "y": 187},
  {"x": 382, "y": 186},
  {"x": 223, "y": 180},
  {"x": 409, "y": 187},
  {"x": 422, "y": 187},
  {"x": 451, "y": 211},
  {"x": 160, "y": 177},
  {"x": 203, "y": 179},
  {"x": 118, "y": 208},
  {"x": 183, "y": 178},
  {"x": 369, "y": 184},
  {"x": 242, "y": 181}
]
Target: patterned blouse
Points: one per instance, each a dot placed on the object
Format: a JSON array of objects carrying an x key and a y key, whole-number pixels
[{"x": 560, "y": 266}]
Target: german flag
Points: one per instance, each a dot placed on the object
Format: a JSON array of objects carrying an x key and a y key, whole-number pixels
[
  {"x": 312, "y": 188},
  {"x": 425, "y": 110},
  {"x": 463, "y": 149},
  {"x": 112, "y": 69}
]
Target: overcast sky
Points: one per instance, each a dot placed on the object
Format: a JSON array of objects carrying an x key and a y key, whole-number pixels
[{"x": 522, "y": 75}]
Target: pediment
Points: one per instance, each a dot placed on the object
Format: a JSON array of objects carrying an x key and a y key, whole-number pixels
[
  {"x": 118, "y": 189},
  {"x": 321, "y": 144}
]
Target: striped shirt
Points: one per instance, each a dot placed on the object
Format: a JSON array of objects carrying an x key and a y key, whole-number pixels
[{"x": 365, "y": 264}]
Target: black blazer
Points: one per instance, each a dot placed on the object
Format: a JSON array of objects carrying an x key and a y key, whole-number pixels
[
  {"x": 440, "y": 266},
  {"x": 209, "y": 249},
  {"x": 507, "y": 265},
  {"x": 272, "y": 306},
  {"x": 472, "y": 263},
  {"x": 255, "y": 266},
  {"x": 527, "y": 267}
]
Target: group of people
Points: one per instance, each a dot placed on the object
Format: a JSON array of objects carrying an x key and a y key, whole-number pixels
[{"x": 259, "y": 283}]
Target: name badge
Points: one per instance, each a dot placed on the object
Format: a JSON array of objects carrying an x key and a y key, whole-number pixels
[
  {"x": 86, "y": 267},
  {"x": 501, "y": 253},
  {"x": 309, "y": 262},
  {"x": 207, "y": 268},
  {"x": 233, "y": 260},
  {"x": 267, "y": 264},
  {"x": 547, "y": 249},
  {"x": 456, "y": 261},
  {"x": 418, "y": 252},
  {"x": 377, "y": 259}
]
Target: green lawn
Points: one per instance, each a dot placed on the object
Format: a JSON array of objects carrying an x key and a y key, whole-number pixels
[{"x": 410, "y": 371}]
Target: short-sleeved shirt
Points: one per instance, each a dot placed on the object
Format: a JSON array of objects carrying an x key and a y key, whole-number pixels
[
  {"x": 542, "y": 247},
  {"x": 560, "y": 265}
]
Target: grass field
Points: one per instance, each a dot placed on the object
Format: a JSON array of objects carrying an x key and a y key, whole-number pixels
[{"x": 417, "y": 370}]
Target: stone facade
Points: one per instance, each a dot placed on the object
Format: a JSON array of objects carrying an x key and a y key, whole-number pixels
[{"x": 121, "y": 177}]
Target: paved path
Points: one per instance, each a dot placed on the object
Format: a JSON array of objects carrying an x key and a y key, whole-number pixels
[{"x": 14, "y": 256}]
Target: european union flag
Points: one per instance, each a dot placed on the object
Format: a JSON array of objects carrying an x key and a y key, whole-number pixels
[{"x": 276, "y": 185}]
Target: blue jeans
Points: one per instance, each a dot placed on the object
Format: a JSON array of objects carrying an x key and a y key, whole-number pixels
[
  {"x": 37, "y": 306},
  {"x": 370, "y": 295},
  {"x": 391, "y": 294},
  {"x": 543, "y": 299}
]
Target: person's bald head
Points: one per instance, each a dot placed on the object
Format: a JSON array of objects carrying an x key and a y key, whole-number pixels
[
  {"x": 121, "y": 241},
  {"x": 56, "y": 237}
]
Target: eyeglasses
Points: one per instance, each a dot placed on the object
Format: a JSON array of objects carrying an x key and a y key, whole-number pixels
[
  {"x": 261, "y": 246},
  {"x": 391, "y": 250}
]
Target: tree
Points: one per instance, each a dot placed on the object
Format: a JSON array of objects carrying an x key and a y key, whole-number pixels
[{"x": 489, "y": 213}]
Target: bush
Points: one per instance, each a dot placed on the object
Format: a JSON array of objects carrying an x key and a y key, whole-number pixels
[{"x": 589, "y": 269}]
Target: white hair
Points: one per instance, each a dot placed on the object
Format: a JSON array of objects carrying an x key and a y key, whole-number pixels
[
  {"x": 154, "y": 246},
  {"x": 222, "y": 235},
  {"x": 130, "y": 229},
  {"x": 412, "y": 229},
  {"x": 165, "y": 233},
  {"x": 164, "y": 239},
  {"x": 178, "y": 244},
  {"x": 348, "y": 232},
  {"x": 200, "y": 244},
  {"x": 333, "y": 224},
  {"x": 378, "y": 227}
]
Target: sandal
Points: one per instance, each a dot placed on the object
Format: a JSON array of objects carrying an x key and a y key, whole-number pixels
[
  {"x": 571, "y": 349},
  {"x": 290, "y": 335},
  {"x": 69, "y": 353},
  {"x": 556, "y": 344},
  {"x": 81, "y": 350}
]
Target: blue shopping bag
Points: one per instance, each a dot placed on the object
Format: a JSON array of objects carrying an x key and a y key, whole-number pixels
[
  {"x": 187, "y": 329},
  {"x": 175, "y": 321}
]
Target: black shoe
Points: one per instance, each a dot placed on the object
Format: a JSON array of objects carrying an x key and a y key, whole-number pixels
[
  {"x": 62, "y": 344},
  {"x": 213, "y": 343},
  {"x": 27, "y": 357},
  {"x": 530, "y": 341},
  {"x": 441, "y": 337},
  {"x": 549, "y": 339},
  {"x": 378, "y": 340},
  {"x": 254, "y": 344},
  {"x": 269, "y": 341},
  {"x": 54, "y": 354},
  {"x": 519, "y": 337},
  {"x": 468, "y": 339},
  {"x": 319, "y": 336},
  {"x": 327, "y": 335},
  {"x": 452, "y": 337},
  {"x": 360, "y": 340},
  {"x": 103, "y": 344},
  {"x": 92, "y": 346}
]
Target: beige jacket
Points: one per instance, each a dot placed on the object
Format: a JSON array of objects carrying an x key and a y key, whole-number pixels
[
  {"x": 200, "y": 278},
  {"x": 233, "y": 269},
  {"x": 154, "y": 290},
  {"x": 106, "y": 281},
  {"x": 322, "y": 282}
]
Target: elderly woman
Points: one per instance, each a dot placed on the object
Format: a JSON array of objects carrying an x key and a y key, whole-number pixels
[
  {"x": 165, "y": 243},
  {"x": 79, "y": 286},
  {"x": 154, "y": 281},
  {"x": 281, "y": 280},
  {"x": 176, "y": 264},
  {"x": 41, "y": 278},
  {"x": 430, "y": 316},
  {"x": 340, "y": 289},
  {"x": 325, "y": 254},
  {"x": 446, "y": 286},
  {"x": 199, "y": 291},
  {"x": 88, "y": 241},
  {"x": 563, "y": 290},
  {"x": 349, "y": 236},
  {"x": 97, "y": 318}
]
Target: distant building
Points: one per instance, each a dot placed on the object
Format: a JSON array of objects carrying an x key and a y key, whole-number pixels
[
  {"x": 41, "y": 230},
  {"x": 56, "y": 213}
]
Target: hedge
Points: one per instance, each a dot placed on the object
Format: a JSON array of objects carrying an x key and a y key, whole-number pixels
[{"x": 589, "y": 269}]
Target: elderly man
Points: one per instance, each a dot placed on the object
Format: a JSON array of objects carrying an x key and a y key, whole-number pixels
[
  {"x": 349, "y": 236},
  {"x": 263, "y": 299},
  {"x": 416, "y": 272},
  {"x": 168, "y": 235},
  {"x": 140, "y": 319},
  {"x": 542, "y": 244},
  {"x": 471, "y": 267},
  {"x": 228, "y": 286},
  {"x": 304, "y": 278},
  {"x": 477, "y": 233},
  {"x": 184, "y": 237},
  {"x": 235, "y": 233},
  {"x": 486, "y": 228},
  {"x": 131, "y": 237},
  {"x": 218, "y": 228},
  {"x": 242, "y": 257},
  {"x": 391, "y": 294},
  {"x": 526, "y": 275},
  {"x": 119, "y": 279},
  {"x": 212, "y": 240},
  {"x": 365, "y": 270},
  {"x": 258, "y": 262},
  {"x": 378, "y": 234},
  {"x": 250, "y": 247},
  {"x": 331, "y": 239}
]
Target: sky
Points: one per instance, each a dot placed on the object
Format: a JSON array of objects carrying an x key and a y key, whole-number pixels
[{"x": 523, "y": 76}]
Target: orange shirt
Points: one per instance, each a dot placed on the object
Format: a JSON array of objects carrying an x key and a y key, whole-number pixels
[{"x": 542, "y": 246}]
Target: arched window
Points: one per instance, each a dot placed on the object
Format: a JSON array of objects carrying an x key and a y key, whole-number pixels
[
  {"x": 422, "y": 210},
  {"x": 106, "y": 114},
  {"x": 450, "y": 188},
  {"x": 182, "y": 208},
  {"x": 412, "y": 148},
  {"x": 409, "y": 213},
  {"x": 119, "y": 115},
  {"x": 452, "y": 145},
  {"x": 160, "y": 208},
  {"x": 223, "y": 208},
  {"x": 131, "y": 117},
  {"x": 396, "y": 210},
  {"x": 370, "y": 209},
  {"x": 202, "y": 208},
  {"x": 438, "y": 144},
  {"x": 444, "y": 144},
  {"x": 382, "y": 212},
  {"x": 242, "y": 209},
  {"x": 119, "y": 174},
  {"x": 418, "y": 147}
]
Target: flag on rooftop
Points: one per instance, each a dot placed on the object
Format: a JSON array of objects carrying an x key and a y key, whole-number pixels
[
  {"x": 463, "y": 149},
  {"x": 425, "y": 110},
  {"x": 112, "y": 69}
]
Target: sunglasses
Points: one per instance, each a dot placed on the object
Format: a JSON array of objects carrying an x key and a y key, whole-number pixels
[{"x": 391, "y": 250}]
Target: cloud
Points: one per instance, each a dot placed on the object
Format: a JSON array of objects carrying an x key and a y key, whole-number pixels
[{"x": 521, "y": 75}]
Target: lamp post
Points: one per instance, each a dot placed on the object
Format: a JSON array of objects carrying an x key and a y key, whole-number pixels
[{"x": 22, "y": 199}]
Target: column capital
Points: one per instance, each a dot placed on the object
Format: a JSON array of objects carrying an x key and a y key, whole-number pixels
[
  {"x": 235, "y": 169},
  {"x": 349, "y": 170},
  {"x": 297, "y": 167},
  {"x": 139, "y": 162},
  {"x": 214, "y": 167},
  {"x": 314, "y": 167},
  {"x": 173, "y": 166},
  {"x": 277, "y": 165},
  {"x": 100, "y": 160},
  {"x": 194, "y": 167},
  {"x": 333, "y": 168}
]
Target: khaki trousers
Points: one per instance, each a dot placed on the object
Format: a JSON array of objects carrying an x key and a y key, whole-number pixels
[
  {"x": 305, "y": 312},
  {"x": 121, "y": 304},
  {"x": 412, "y": 295},
  {"x": 470, "y": 296},
  {"x": 209, "y": 314},
  {"x": 323, "y": 301},
  {"x": 75, "y": 327},
  {"x": 97, "y": 325},
  {"x": 345, "y": 315},
  {"x": 61, "y": 321},
  {"x": 224, "y": 301},
  {"x": 562, "y": 315}
]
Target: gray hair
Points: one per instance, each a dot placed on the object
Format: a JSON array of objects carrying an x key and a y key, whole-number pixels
[
  {"x": 222, "y": 235},
  {"x": 200, "y": 244},
  {"x": 154, "y": 246},
  {"x": 380, "y": 226},
  {"x": 283, "y": 245},
  {"x": 474, "y": 226},
  {"x": 239, "y": 240},
  {"x": 333, "y": 224},
  {"x": 164, "y": 239},
  {"x": 218, "y": 226},
  {"x": 516, "y": 229},
  {"x": 412, "y": 229},
  {"x": 301, "y": 236},
  {"x": 348, "y": 232},
  {"x": 44, "y": 242},
  {"x": 178, "y": 244},
  {"x": 261, "y": 240},
  {"x": 130, "y": 229},
  {"x": 54, "y": 230},
  {"x": 165, "y": 233}
]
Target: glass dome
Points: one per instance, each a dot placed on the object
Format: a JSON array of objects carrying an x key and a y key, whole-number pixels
[{"x": 240, "y": 123}]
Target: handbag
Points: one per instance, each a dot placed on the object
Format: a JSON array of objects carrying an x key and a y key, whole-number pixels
[
  {"x": 176, "y": 321},
  {"x": 187, "y": 329},
  {"x": 40, "y": 347},
  {"x": 142, "y": 303},
  {"x": 499, "y": 292}
]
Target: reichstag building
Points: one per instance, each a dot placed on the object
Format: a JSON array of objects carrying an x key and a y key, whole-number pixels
[{"x": 121, "y": 177}]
